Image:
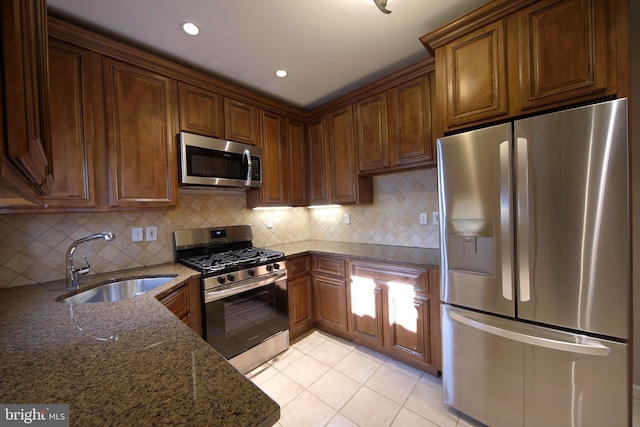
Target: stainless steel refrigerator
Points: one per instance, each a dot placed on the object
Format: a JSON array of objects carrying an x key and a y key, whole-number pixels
[{"x": 535, "y": 269}]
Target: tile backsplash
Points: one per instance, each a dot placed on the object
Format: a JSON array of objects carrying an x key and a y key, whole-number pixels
[{"x": 33, "y": 246}]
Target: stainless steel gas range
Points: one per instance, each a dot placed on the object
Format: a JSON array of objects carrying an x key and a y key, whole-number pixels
[{"x": 244, "y": 292}]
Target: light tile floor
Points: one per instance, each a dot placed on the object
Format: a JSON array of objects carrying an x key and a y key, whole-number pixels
[{"x": 325, "y": 381}]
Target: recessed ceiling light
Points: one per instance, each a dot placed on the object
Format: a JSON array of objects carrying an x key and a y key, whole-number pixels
[
  {"x": 191, "y": 28},
  {"x": 282, "y": 73}
]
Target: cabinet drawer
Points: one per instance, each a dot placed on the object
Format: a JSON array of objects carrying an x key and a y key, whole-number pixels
[
  {"x": 332, "y": 266},
  {"x": 386, "y": 273},
  {"x": 178, "y": 302},
  {"x": 299, "y": 266}
]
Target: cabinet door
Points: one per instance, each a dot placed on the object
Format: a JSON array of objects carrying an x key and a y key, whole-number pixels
[
  {"x": 330, "y": 302},
  {"x": 366, "y": 309},
  {"x": 201, "y": 111},
  {"x": 297, "y": 162},
  {"x": 563, "y": 50},
  {"x": 410, "y": 138},
  {"x": 371, "y": 115},
  {"x": 300, "y": 305},
  {"x": 141, "y": 143},
  {"x": 72, "y": 126},
  {"x": 240, "y": 122},
  {"x": 318, "y": 161},
  {"x": 407, "y": 330},
  {"x": 26, "y": 90},
  {"x": 275, "y": 192},
  {"x": 342, "y": 156},
  {"x": 476, "y": 75}
]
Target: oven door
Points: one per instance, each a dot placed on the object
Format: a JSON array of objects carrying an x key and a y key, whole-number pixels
[
  {"x": 214, "y": 162},
  {"x": 245, "y": 317}
]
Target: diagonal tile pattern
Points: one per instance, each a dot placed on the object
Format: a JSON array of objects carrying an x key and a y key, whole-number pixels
[
  {"x": 333, "y": 382},
  {"x": 33, "y": 246}
]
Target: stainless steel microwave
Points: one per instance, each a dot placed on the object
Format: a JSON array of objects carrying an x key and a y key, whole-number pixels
[{"x": 211, "y": 162}]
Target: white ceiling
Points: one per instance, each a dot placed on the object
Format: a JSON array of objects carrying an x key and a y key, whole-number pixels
[{"x": 329, "y": 47}]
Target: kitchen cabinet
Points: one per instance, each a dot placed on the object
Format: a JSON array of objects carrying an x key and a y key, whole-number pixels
[
  {"x": 373, "y": 136},
  {"x": 185, "y": 303},
  {"x": 240, "y": 121},
  {"x": 508, "y": 59},
  {"x": 283, "y": 163},
  {"x": 395, "y": 310},
  {"x": 330, "y": 295},
  {"x": 201, "y": 111},
  {"x": 318, "y": 162},
  {"x": 333, "y": 161},
  {"x": 296, "y": 162},
  {"x": 300, "y": 291},
  {"x": 72, "y": 124},
  {"x": 25, "y": 144},
  {"x": 140, "y": 111}
]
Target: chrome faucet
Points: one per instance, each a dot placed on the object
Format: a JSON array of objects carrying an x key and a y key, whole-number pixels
[{"x": 74, "y": 274}]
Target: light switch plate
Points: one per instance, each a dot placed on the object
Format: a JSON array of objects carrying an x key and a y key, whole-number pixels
[
  {"x": 436, "y": 218},
  {"x": 136, "y": 234},
  {"x": 347, "y": 219},
  {"x": 269, "y": 222},
  {"x": 151, "y": 233}
]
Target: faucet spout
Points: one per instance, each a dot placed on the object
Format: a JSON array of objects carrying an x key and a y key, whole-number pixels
[{"x": 73, "y": 274}]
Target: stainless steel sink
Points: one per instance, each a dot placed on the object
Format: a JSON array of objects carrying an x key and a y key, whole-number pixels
[{"x": 118, "y": 290}]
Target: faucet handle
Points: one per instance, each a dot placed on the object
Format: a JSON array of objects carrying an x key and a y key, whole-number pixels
[{"x": 86, "y": 269}]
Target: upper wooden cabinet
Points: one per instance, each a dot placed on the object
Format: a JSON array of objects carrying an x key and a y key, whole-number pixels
[
  {"x": 283, "y": 163},
  {"x": 373, "y": 136},
  {"x": 511, "y": 58},
  {"x": 73, "y": 71},
  {"x": 318, "y": 162},
  {"x": 25, "y": 168},
  {"x": 296, "y": 162},
  {"x": 333, "y": 161},
  {"x": 140, "y": 111},
  {"x": 476, "y": 75},
  {"x": 410, "y": 138},
  {"x": 240, "y": 121},
  {"x": 201, "y": 111}
]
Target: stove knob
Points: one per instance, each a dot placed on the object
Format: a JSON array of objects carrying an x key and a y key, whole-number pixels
[
  {"x": 231, "y": 277},
  {"x": 252, "y": 273},
  {"x": 221, "y": 280},
  {"x": 269, "y": 267},
  {"x": 276, "y": 266}
]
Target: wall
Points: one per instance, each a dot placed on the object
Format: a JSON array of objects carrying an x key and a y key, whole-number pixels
[{"x": 33, "y": 246}]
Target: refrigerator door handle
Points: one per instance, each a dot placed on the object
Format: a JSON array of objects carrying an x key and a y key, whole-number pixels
[
  {"x": 506, "y": 220},
  {"x": 591, "y": 349},
  {"x": 523, "y": 219}
]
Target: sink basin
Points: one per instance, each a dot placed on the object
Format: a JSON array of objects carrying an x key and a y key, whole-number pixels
[{"x": 118, "y": 290}]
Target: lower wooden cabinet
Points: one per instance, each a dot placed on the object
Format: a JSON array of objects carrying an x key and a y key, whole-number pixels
[
  {"x": 390, "y": 308},
  {"x": 396, "y": 310},
  {"x": 185, "y": 303},
  {"x": 330, "y": 295},
  {"x": 300, "y": 290}
]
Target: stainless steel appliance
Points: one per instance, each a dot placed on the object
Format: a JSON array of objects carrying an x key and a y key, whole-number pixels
[
  {"x": 536, "y": 269},
  {"x": 244, "y": 293},
  {"x": 211, "y": 162}
]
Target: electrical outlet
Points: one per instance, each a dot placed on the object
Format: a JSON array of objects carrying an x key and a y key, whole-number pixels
[
  {"x": 423, "y": 218},
  {"x": 436, "y": 218},
  {"x": 347, "y": 219},
  {"x": 269, "y": 222},
  {"x": 136, "y": 234},
  {"x": 151, "y": 234}
]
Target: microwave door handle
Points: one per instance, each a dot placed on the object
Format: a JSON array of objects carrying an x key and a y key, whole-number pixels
[{"x": 247, "y": 156}]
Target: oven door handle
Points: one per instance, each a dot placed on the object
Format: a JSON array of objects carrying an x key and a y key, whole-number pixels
[{"x": 213, "y": 295}]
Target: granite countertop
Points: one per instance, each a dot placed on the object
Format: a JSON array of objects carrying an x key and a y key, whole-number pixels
[
  {"x": 421, "y": 257},
  {"x": 130, "y": 362}
]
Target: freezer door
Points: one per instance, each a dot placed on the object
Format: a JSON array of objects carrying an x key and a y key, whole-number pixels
[
  {"x": 573, "y": 219},
  {"x": 476, "y": 238},
  {"x": 507, "y": 373}
]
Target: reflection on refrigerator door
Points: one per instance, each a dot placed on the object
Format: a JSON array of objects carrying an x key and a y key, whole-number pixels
[{"x": 502, "y": 371}]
